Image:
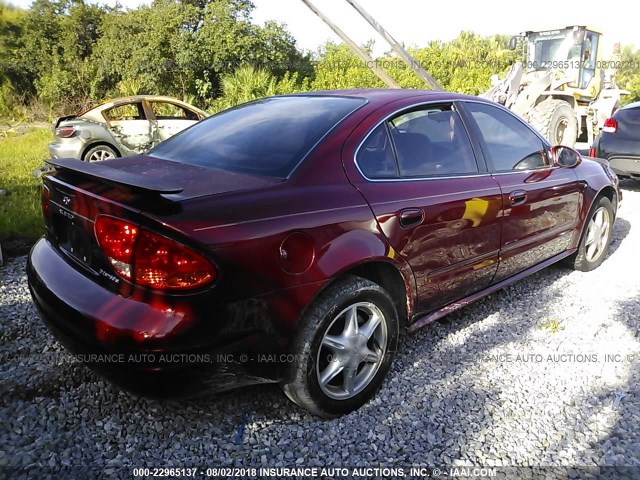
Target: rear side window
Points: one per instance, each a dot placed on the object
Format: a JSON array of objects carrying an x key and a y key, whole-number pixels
[
  {"x": 268, "y": 137},
  {"x": 429, "y": 142},
  {"x": 508, "y": 142},
  {"x": 432, "y": 142},
  {"x": 376, "y": 157},
  {"x": 129, "y": 111}
]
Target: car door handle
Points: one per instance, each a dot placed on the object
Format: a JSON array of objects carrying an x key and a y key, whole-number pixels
[
  {"x": 517, "y": 197},
  {"x": 411, "y": 217}
]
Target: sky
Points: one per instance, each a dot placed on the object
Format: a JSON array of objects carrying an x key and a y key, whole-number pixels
[{"x": 417, "y": 22}]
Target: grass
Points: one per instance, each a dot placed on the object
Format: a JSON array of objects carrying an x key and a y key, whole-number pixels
[
  {"x": 20, "y": 213},
  {"x": 553, "y": 326}
]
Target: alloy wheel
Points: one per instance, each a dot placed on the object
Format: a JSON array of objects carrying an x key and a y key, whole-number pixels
[
  {"x": 352, "y": 350},
  {"x": 597, "y": 234},
  {"x": 101, "y": 154}
]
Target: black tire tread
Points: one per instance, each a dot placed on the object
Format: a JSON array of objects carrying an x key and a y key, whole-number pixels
[
  {"x": 296, "y": 382},
  {"x": 578, "y": 261},
  {"x": 542, "y": 114}
]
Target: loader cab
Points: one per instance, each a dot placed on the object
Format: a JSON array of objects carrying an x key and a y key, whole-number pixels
[{"x": 572, "y": 50}]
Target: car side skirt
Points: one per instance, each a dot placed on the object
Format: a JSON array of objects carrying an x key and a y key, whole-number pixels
[{"x": 452, "y": 307}]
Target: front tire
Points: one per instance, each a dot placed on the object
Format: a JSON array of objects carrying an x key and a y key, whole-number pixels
[
  {"x": 345, "y": 344},
  {"x": 596, "y": 237}
]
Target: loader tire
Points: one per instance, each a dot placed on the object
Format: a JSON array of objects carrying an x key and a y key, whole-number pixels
[{"x": 556, "y": 121}]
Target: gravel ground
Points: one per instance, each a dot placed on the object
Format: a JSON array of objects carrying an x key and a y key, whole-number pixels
[{"x": 521, "y": 378}]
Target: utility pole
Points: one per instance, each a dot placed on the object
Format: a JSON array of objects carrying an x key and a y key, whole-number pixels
[
  {"x": 368, "y": 61},
  {"x": 408, "y": 59}
]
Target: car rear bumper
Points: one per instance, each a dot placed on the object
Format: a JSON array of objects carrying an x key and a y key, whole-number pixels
[
  {"x": 625, "y": 165},
  {"x": 72, "y": 306},
  {"x": 66, "y": 150}
]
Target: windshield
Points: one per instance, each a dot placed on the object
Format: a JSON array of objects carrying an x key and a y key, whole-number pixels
[
  {"x": 268, "y": 137},
  {"x": 547, "y": 49}
]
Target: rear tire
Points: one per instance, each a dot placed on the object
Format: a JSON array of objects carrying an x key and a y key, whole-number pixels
[
  {"x": 596, "y": 237},
  {"x": 100, "y": 153},
  {"x": 556, "y": 121},
  {"x": 344, "y": 347}
]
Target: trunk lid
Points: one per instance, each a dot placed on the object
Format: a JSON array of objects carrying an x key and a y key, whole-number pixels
[
  {"x": 192, "y": 180},
  {"x": 124, "y": 188}
]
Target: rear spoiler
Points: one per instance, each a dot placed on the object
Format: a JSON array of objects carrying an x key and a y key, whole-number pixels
[
  {"x": 57, "y": 121},
  {"x": 105, "y": 174}
]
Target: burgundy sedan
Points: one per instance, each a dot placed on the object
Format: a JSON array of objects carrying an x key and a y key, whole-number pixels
[{"x": 291, "y": 239}]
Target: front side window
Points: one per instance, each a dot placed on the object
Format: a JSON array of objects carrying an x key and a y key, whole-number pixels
[
  {"x": 171, "y": 111},
  {"x": 507, "y": 142},
  {"x": 428, "y": 142}
]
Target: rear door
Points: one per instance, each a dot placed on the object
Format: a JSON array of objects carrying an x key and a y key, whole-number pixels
[
  {"x": 540, "y": 202},
  {"x": 435, "y": 204}
]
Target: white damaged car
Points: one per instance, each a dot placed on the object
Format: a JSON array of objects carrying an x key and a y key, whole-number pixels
[{"x": 121, "y": 127}]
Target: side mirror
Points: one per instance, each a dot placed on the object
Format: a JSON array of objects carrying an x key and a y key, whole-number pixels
[
  {"x": 513, "y": 43},
  {"x": 565, "y": 157}
]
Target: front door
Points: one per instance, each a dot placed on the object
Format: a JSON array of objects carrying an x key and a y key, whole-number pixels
[
  {"x": 171, "y": 118},
  {"x": 540, "y": 202}
]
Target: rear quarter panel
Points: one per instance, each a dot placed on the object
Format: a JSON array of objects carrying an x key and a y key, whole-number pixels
[
  {"x": 333, "y": 230},
  {"x": 91, "y": 133}
]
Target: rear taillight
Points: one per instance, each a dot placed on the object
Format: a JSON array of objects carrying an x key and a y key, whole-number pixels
[
  {"x": 610, "y": 125},
  {"x": 163, "y": 263},
  {"x": 592, "y": 152},
  {"x": 117, "y": 239},
  {"x": 45, "y": 197},
  {"x": 149, "y": 259},
  {"x": 65, "y": 132}
]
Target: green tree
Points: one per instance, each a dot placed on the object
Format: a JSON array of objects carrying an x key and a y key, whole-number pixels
[
  {"x": 628, "y": 76},
  {"x": 247, "y": 83},
  {"x": 12, "y": 21},
  {"x": 431, "y": 58},
  {"x": 463, "y": 65},
  {"x": 57, "y": 45},
  {"x": 11, "y": 69},
  {"x": 337, "y": 67},
  {"x": 183, "y": 48},
  {"x": 473, "y": 59}
]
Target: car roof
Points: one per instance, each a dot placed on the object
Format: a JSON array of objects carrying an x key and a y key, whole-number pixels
[
  {"x": 112, "y": 102},
  {"x": 377, "y": 97},
  {"x": 137, "y": 98},
  {"x": 631, "y": 105},
  {"x": 385, "y": 93}
]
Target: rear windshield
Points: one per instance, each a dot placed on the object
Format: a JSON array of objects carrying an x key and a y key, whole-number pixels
[
  {"x": 268, "y": 137},
  {"x": 629, "y": 115}
]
